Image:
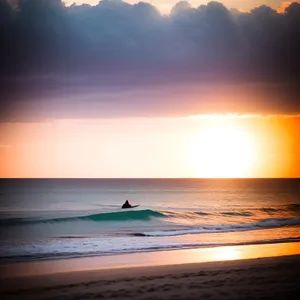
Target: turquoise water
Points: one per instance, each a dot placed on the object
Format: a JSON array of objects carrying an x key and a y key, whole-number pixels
[{"x": 42, "y": 219}]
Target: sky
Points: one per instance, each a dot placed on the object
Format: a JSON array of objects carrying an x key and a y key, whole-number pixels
[
  {"x": 165, "y": 6},
  {"x": 120, "y": 90},
  {"x": 205, "y": 146}
]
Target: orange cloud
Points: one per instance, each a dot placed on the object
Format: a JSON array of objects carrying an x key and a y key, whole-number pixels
[{"x": 284, "y": 5}]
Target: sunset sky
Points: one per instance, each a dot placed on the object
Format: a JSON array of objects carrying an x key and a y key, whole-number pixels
[
  {"x": 166, "y": 5},
  {"x": 200, "y": 146},
  {"x": 119, "y": 90}
]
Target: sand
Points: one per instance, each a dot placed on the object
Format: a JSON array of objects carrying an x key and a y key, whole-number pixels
[
  {"x": 265, "y": 278},
  {"x": 148, "y": 259}
]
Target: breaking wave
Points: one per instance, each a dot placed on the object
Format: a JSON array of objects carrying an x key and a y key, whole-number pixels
[
  {"x": 141, "y": 215},
  {"x": 265, "y": 223}
]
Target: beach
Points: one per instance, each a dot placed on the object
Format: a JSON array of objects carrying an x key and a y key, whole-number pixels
[
  {"x": 276, "y": 277},
  {"x": 188, "y": 239},
  {"x": 267, "y": 278}
]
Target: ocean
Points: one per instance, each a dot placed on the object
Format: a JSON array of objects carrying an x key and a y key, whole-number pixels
[{"x": 67, "y": 218}]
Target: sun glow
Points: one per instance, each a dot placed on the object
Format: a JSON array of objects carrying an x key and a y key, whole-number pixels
[
  {"x": 207, "y": 146},
  {"x": 222, "y": 149}
]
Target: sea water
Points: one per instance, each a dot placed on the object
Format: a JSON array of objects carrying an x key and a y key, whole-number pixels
[{"x": 59, "y": 218}]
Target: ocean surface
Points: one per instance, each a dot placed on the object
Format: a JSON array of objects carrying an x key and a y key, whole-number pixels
[{"x": 51, "y": 219}]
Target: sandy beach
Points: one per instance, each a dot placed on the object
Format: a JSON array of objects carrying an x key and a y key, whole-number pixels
[{"x": 260, "y": 278}]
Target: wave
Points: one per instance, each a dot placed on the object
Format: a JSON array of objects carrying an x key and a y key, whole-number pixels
[
  {"x": 139, "y": 215},
  {"x": 63, "y": 251},
  {"x": 262, "y": 224},
  {"x": 294, "y": 207},
  {"x": 132, "y": 215},
  {"x": 269, "y": 210},
  {"x": 193, "y": 217},
  {"x": 241, "y": 214}
]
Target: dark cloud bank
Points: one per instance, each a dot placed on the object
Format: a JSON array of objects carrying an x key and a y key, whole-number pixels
[{"x": 116, "y": 58}]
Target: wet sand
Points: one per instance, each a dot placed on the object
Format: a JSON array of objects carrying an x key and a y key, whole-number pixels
[
  {"x": 148, "y": 259},
  {"x": 264, "y": 278}
]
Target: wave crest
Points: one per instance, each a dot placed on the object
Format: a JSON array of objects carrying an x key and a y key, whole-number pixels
[
  {"x": 141, "y": 215},
  {"x": 265, "y": 223}
]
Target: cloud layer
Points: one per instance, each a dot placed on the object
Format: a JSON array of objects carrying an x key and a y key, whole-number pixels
[{"x": 114, "y": 49}]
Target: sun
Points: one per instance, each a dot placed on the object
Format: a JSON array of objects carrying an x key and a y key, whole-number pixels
[{"x": 222, "y": 150}]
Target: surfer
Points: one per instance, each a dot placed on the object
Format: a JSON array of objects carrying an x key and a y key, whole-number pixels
[{"x": 126, "y": 204}]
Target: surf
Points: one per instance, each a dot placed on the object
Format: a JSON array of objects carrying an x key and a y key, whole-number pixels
[
  {"x": 261, "y": 224},
  {"x": 191, "y": 218},
  {"x": 130, "y": 215}
]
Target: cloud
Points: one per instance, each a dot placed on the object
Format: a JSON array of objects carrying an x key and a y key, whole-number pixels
[
  {"x": 284, "y": 5},
  {"x": 101, "y": 56}
]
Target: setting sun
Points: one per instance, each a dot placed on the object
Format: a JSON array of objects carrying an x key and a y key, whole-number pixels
[
  {"x": 222, "y": 150},
  {"x": 206, "y": 146}
]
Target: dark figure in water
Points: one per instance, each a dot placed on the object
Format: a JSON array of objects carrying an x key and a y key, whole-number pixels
[{"x": 126, "y": 204}]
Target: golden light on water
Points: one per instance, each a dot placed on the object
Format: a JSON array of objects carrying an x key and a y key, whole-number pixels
[
  {"x": 226, "y": 253},
  {"x": 161, "y": 258}
]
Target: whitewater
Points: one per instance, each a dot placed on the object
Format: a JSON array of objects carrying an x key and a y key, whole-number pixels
[{"x": 51, "y": 219}]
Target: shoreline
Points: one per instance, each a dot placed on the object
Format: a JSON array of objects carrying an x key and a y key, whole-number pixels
[
  {"x": 263, "y": 278},
  {"x": 148, "y": 259},
  {"x": 50, "y": 257}
]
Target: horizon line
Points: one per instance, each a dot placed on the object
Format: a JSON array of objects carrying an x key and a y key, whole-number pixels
[{"x": 143, "y": 178}]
